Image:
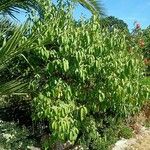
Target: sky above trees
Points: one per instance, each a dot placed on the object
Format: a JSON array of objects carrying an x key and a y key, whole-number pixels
[{"x": 127, "y": 10}]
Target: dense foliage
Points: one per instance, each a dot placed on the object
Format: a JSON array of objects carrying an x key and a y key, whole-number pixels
[
  {"x": 113, "y": 22},
  {"x": 142, "y": 37},
  {"x": 13, "y": 137},
  {"x": 146, "y": 49},
  {"x": 81, "y": 77},
  {"x": 86, "y": 73}
]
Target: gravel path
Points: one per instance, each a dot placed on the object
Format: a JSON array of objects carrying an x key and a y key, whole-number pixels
[{"x": 140, "y": 142}]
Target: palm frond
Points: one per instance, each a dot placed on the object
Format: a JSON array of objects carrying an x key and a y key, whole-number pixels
[
  {"x": 94, "y": 6},
  {"x": 5, "y": 25},
  {"x": 12, "y": 48},
  {"x": 10, "y": 87},
  {"x": 8, "y": 7},
  {"x": 9, "y": 49},
  {"x": 7, "y": 28}
]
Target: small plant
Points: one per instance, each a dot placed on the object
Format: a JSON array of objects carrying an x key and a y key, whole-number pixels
[{"x": 13, "y": 137}]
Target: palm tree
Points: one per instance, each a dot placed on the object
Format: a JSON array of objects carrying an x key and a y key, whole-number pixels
[{"x": 8, "y": 48}]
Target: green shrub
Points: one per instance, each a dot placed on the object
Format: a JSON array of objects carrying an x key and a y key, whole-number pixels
[
  {"x": 86, "y": 73},
  {"x": 12, "y": 137},
  {"x": 111, "y": 130}
]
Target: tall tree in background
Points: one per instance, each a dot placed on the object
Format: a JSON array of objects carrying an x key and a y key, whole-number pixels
[{"x": 113, "y": 22}]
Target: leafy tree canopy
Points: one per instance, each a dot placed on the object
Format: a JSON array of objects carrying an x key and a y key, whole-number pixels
[{"x": 113, "y": 22}]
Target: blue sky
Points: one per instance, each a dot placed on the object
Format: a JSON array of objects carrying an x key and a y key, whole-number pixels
[
  {"x": 130, "y": 11},
  {"x": 127, "y": 10}
]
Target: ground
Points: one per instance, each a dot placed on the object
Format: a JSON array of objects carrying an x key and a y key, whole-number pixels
[{"x": 141, "y": 126}]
